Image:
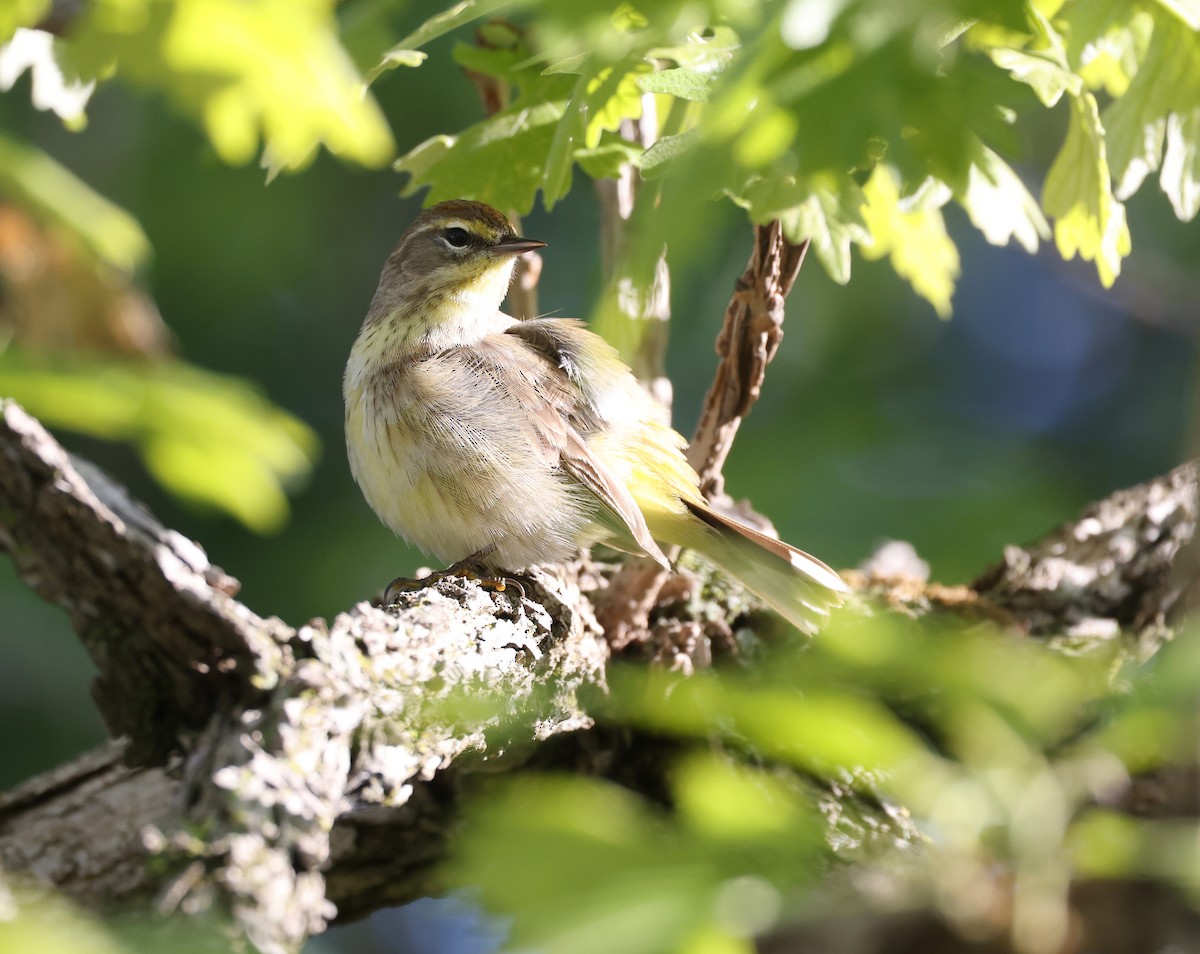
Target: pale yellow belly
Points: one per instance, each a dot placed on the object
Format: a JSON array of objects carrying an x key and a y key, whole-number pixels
[{"x": 453, "y": 482}]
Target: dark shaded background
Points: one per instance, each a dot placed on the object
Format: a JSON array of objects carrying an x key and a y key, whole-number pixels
[{"x": 878, "y": 420}]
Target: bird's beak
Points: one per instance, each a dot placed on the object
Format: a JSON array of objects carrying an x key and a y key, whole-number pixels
[{"x": 515, "y": 246}]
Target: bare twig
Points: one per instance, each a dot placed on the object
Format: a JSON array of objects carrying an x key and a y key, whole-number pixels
[
  {"x": 750, "y": 335},
  {"x": 749, "y": 338}
]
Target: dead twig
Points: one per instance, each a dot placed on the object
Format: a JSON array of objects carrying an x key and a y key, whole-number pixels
[{"x": 750, "y": 336}]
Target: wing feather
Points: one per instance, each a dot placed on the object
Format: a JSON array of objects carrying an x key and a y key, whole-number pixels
[{"x": 554, "y": 349}]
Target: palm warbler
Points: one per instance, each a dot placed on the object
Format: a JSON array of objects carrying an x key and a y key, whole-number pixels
[{"x": 505, "y": 443}]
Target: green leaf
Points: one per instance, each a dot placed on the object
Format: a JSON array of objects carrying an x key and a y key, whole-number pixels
[
  {"x": 831, "y": 219},
  {"x": 613, "y": 95},
  {"x": 1048, "y": 78},
  {"x": 1181, "y": 164},
  {"x": 1167, "y": 82},
  {"x": 726, "y": 801},
  {"x": 708, "y": 53},
  {"x": 826, "y": 210},
  {"x": 37, "y": 51},
  {"x": 655, "y": 160},
  {"x": 645, "y": 889},
  {"x": 608, "y": 159},
  {"x": 209, "y": 439},
  {"x": 1045, "y": 69},
  {"x": 500, "y": 161},
  {"x": 1000, "y": 206},
  {"x": 1078, "y": 194},
  {"x": 1107, "y": 40},
  {"x": 21, "y": 13},
  {"x": 914, "y": 238},
  {"x": 681, "y": 83},
  {"x": 56, "y": 197},
  {"x": 503, "y": 63},
  {"x": 570, "y": 134},
  {"x": 272, "y": 73}
]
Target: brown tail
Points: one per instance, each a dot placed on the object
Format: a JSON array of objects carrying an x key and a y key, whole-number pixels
[{"x": 796, "y": 585}]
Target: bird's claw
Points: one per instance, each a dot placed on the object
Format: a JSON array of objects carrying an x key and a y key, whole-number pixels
[{"x": 468, "y": 569}]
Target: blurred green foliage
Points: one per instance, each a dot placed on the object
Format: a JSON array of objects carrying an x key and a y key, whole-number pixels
[
  {"x": 936, "y": 753},
  {"x": 31, "y": 919},
  {"x": 34, "y": 180},
  {"x": 211, "y": 439}
]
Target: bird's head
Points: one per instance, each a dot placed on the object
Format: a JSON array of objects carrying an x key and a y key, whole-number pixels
[{"x": 457, "y": 250}]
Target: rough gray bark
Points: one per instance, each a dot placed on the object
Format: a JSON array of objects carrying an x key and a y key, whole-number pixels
[
  {"x": 280, "y": 772},
  {"x": 280, "y": 756},
  {"x": 1115, "y": 568}
]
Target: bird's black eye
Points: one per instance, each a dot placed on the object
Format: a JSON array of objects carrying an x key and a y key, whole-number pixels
[{"x": 456, "y": 237}]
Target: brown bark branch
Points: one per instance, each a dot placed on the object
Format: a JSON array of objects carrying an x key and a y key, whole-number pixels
[
  {"x": 328, "y": 765},
  {"x": 749, "y": 338},
  {"x": 281, "y": 731}
]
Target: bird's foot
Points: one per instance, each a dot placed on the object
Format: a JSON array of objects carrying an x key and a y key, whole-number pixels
[{"x": 469, "y": 568}]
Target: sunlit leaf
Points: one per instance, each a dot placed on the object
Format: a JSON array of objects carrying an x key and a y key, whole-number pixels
[
  {"x": 613, "y": 95},
  {"x": 827, "y": 211},
  {"x": 915, "y": 240},
  {"x": 270, "y": 73},
  {"x": 1089, "y": 220},
  {"x": 21, "y": 13},
  {"x": 1167, "y": 84},
  {"x": 1046, "y": 77},
  {"x": 34, "y": 50},
  {"x": 1108, "y": 39},
  {"x": 1043, "y": 67},
  {"x": 707, "y": 53},
  {"x": 1181, "y": 164},
  {"x": 1000, "y": 206},
  {"x": 501, "y": 160}
]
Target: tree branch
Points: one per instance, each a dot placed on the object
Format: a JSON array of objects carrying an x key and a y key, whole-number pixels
[
  {"x": 750, "y": 336},
  {"x": 283, "y": 731},
  {"x": 328, "y": 766}
]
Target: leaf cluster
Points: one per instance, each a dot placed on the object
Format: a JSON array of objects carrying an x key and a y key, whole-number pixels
[{"x": 854, "y": 123}]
